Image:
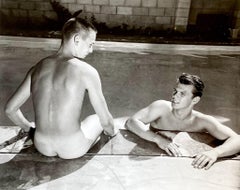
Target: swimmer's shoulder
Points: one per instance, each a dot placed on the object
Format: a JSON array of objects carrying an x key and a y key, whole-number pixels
[
  {"x": 79, "y": 62},
  {"x": 45, "y": 61},
  {"x": 204, "y": 120},
  {"x": 203, "y": 117},
  {"x": 161, "y": 105},
  {"x": 43, "y": 65},
  {"x": 83, "y": 68}
]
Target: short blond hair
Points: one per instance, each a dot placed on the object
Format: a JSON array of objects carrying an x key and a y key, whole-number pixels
[{"x": 76, "y": 26}]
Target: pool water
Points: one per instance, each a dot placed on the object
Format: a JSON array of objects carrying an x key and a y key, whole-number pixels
[{"x": 134, "y": 75}]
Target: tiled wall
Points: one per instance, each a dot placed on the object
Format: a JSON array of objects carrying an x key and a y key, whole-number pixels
[{"x": 158, "y": 14}]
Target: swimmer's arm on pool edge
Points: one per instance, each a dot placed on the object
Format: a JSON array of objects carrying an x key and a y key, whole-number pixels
[
  {"x": 12, "y": 108},
  {"x": 138, "y": 124},
  {"x": 230, "y": 146}
]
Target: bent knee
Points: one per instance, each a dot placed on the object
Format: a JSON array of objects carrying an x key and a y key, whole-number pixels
[{"x": 129, "y": 123}]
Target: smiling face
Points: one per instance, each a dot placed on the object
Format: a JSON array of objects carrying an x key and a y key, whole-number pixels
[{"x": 183, "y": 97}]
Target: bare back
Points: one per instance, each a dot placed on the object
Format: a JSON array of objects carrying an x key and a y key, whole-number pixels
[
  {"x": 57, "y": 91},
  {"x": 57, "y": 85}
]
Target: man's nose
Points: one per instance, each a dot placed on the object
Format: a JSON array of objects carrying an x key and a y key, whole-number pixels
[{"x": 176, "y": 95}]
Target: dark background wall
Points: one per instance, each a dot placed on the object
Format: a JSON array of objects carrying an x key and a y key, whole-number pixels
[{"x": 196, "y": 16}]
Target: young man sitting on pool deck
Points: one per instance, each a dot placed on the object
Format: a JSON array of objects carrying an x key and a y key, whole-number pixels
[
  {"x": 178, "y": 115},
  {"x": 57, "y": 85}
]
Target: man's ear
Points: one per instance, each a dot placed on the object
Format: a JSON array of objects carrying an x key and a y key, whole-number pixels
[
  {"x": 196, "y": 99},
  {"x": 76, "y": 38}
]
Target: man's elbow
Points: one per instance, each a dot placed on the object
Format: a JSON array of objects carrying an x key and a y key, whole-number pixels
[
  {"x": 130, "y": 123},
  {"x": 8, "y": 110}
]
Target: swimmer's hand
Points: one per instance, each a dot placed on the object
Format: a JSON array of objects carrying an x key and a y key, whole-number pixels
[
  {"x": 205, "y": 159},
  {"x": 173, "y": 150},
  {"x": 27, "y": 128},
  {"x": 169, "y": 147},
  {"x": 110, "y": 132},
  {"x": 33, "y": 125}
]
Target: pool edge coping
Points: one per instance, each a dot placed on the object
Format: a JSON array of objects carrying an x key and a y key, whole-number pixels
[{"x": 54, "y": 43}]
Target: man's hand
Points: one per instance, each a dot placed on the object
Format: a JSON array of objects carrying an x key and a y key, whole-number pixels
[
  {"x": 172, "y": 150},
  {"x": 110, "y": 131},
  {"x": 205, "y": 159},
  {"x": 169, "y": 147},
  {"x": 31, "y": 125}
]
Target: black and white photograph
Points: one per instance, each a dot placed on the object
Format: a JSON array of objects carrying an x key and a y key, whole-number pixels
[{"x": 119, "y": 94}]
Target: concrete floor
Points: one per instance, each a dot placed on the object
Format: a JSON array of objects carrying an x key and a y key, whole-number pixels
[{"x": 133, "y": 75}]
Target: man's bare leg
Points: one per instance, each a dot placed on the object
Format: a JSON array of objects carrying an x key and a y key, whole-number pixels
[
  {"x": 78, "y": 144},
  {"x": 119, "y": 122},
  {"x": 91, "y": 129}
]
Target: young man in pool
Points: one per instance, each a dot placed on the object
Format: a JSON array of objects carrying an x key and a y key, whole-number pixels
[
  {"x": 178, "y": 115},
  {"x": 57, "y": 85}
]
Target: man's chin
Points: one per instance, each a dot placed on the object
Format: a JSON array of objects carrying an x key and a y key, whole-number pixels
[
  {"x": 175, "y": 105},
  {"x": 81, "y": 56}
]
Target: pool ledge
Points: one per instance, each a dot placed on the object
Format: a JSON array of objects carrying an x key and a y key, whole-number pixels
[{"x": 127, "y": 47}]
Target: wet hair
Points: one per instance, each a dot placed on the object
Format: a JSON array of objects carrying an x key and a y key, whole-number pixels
[
  {"x": 77, "y": 26},
  {"x": 194, "y": 80}
]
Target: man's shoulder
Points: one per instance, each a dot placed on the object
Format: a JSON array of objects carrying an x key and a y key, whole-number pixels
[
  {"x": 46, "y": 61},
  {"x": 162, "y": 104},
  {"x": 205, "y": 119},
  {"x": 202, "y": 116},
  {"x": 82, "y": 65},
  {"x": 82, "y": 68}
]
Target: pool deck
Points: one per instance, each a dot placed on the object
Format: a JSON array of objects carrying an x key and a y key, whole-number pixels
[
  {"x": 53, "y": 44},
  {"x": 127, "y": 162}
]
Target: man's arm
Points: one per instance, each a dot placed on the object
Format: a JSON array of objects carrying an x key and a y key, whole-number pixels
[
  {"x": 139, "y": 124},
  {"x": 12, "y": 108},
  {"x": 94, "y": 87},
  {"x": 230, "y": 146}
]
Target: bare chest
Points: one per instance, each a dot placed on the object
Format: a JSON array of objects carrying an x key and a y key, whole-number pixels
[{"x": 174, "y": 124}]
